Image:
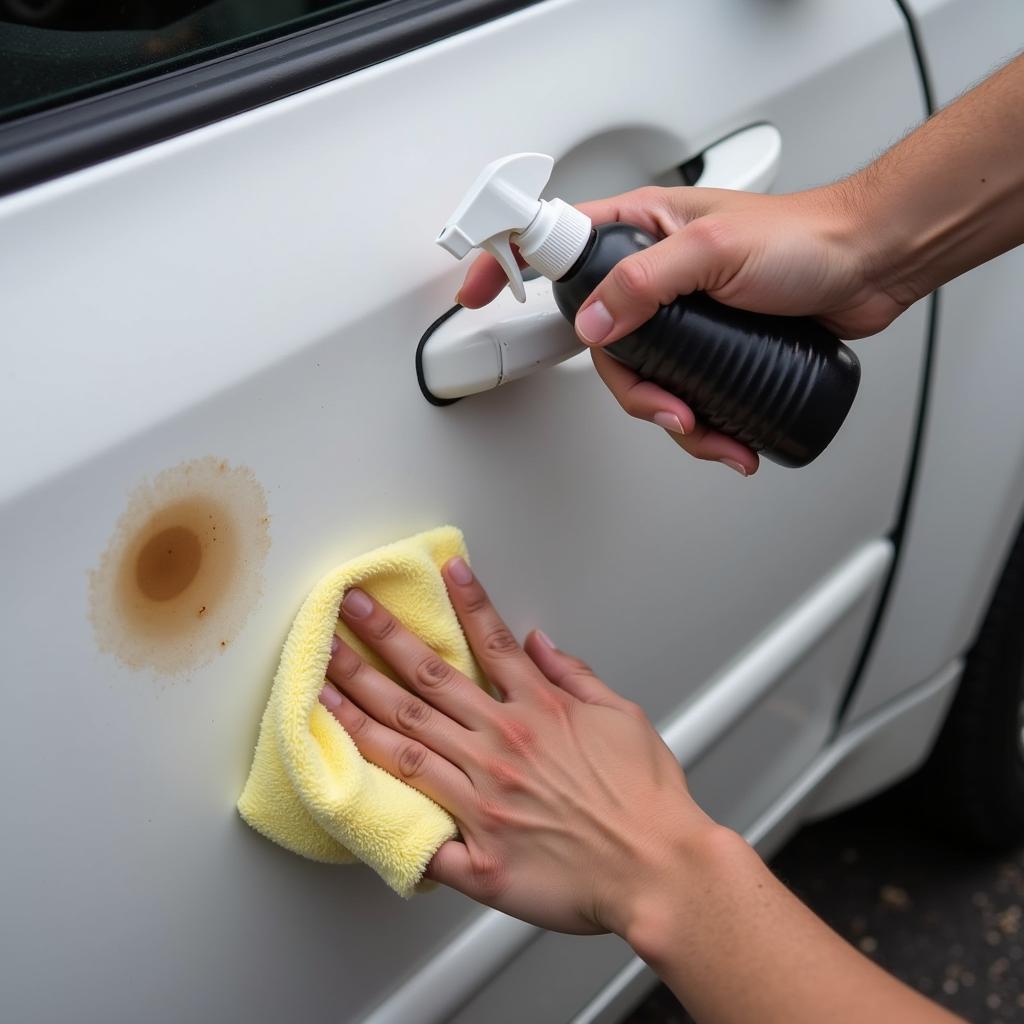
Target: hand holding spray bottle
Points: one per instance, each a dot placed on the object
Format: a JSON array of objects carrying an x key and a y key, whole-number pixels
[{"x": 780, "y": 385}]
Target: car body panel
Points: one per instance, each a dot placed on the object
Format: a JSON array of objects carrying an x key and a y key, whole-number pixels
[
  {"x": 253, "y": 290},
  {"x": 969, "y": 494}
]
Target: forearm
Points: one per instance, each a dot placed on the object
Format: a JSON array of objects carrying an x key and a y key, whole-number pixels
[
  {"x": 950, "y": 195},
  {"x": 736, "y": 946}
]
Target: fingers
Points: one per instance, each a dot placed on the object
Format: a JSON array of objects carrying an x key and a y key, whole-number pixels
[
  {"x": 646, "y": 401},
  {"x": 641, "y": 398},
  {"x": 484, "y": 280},
  {"x": 450, "y": 865},
  {"x": 661, "y": 211},
  {"x": 390, "y": 705},
  {"x": 496, "y": 649},
  {"x": 404, "y": 758},
  {"x": 475, "y": 874},
  {"x": 426, "y": 674},
  {"x": 651, "y": 208},
  {"x": 569, "y": 673},
  {"x": 711, "y": 446},
  {"x": 695, "y": 258}
]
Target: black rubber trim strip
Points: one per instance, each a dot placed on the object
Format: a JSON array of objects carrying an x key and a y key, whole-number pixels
[
  {"x": 55, "y": 142},
  {"x": 427, "y": 393},
  {"x": 898, "y": 533}
]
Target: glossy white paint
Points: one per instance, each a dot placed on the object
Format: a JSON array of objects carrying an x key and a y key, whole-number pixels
[
  {"x": 970, "y": 494},
  {"x": 240, "y": 291},
  {"x": 884, "y": 746}
]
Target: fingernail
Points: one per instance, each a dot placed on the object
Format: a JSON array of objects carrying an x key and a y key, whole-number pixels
[
  {"x": 357, "y": 604},
  {"x": 669, "y": 421},
  {"x": 458, "y": 301},
  {"x": 594, "y": 323},
  {"x": 329, "y": 697},
  {"x": 545, "y": 639},
  {"x": 335, "y": 644},
  {"x": 459, "y": 571},
  {"x": 733, "y": 464}
]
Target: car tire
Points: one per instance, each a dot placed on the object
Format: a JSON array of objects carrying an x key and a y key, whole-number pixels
[{"x": 972, "y": 785}]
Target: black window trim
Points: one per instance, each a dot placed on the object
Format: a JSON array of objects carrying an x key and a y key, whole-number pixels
[{"x": 52, "y": 143}]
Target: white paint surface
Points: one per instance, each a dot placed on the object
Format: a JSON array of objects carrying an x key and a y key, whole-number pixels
[{"x": 255, "y": 290}]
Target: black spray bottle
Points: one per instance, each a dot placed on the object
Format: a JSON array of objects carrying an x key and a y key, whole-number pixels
[{"x": 780, "y": 385}]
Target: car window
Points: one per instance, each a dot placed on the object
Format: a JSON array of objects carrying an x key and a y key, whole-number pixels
[{"x": 55, "y": 51}]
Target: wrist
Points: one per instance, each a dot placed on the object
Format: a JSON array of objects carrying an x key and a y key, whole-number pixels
[
  {"x": 888, "y": 238},
  {"x": 872, "y": 238},
  {"x": 683, "y": 883},
  {"x": 908, "y": 233}
]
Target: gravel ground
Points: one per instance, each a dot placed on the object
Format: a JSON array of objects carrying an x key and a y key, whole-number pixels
[{"x": 946, "y": 921}]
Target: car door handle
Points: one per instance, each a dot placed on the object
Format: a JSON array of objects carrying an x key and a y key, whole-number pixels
[
  {"x": 747, "y": 160},
  {"x": 467, "y": 351},
  {"x": 471, "y": 350}
]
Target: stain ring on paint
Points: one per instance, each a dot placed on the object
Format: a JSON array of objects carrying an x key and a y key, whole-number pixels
[{"x": 183, "y": 569}]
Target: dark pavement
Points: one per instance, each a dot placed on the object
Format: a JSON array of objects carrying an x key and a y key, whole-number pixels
[{"x": 946, "y": 921}]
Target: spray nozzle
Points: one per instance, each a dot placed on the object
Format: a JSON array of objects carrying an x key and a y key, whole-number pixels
[{"x": 503, "y": 206}]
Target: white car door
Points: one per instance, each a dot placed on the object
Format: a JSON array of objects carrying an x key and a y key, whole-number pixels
[{"x": 234, "y": 264}]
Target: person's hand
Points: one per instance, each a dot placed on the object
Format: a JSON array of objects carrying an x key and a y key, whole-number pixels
[
  {"x": 568, "y": 802},
  {"x": 800, "y": 254},
  {"x": 574, "y": 815}
]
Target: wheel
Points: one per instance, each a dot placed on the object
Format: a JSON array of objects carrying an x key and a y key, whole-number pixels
[{"x": 972, "y": 785}]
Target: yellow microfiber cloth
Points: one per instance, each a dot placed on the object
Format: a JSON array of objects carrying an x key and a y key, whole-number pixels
[{"x": 309, "y": 788}]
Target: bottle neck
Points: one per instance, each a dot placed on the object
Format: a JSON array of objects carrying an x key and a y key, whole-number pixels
[{"x": 582, "y": 258}]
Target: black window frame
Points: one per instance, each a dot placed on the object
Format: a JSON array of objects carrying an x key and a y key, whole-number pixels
[{"x": 51, "y": 143}]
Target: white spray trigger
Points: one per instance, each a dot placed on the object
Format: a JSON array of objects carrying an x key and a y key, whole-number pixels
[
  {"x": 504, "y": 200},
  {"x": 501, "y": 249}
]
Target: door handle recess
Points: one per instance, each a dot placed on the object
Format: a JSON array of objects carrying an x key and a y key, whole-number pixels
[
  {"x": 467, "y": 351},
  {"x": 747, "y": 160}
]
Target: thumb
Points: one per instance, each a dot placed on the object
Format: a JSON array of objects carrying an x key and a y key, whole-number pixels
[{"x": 635, "y": 287}]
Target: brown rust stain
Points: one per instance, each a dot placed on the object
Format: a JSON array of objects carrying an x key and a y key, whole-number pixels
[{"x": 183, "y": 569}]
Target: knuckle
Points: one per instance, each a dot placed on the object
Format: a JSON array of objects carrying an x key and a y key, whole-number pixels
[
  {"x": 649, "y": 195},
  {"x": 476, "y": 600},
  {"x": 516, "y": 738},
  {"x": 434, "y": 672},
  {"x": 634, "y": 278},
  {"x": 493, "y": 816},
  {"x": 384, "y": 628},
  {"x": 634, "y": 710},
  {"x": 711, "y": 233},
  {"x": 356, "y": 723},
  {"x": 551, "y": 703},
  {"x": 504, "y": 776},
  {"x": 488, "y": 873},
  {"x": 411, "y": 714},
  {"x": 411, "y": 759},
  {"x": 346, "y": 663},
  {"x": 632, "y": 402},
  {"x": 499, "y": 642}
]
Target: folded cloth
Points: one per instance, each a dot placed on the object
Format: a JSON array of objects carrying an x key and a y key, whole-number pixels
[{"x": 309, "y": 789}]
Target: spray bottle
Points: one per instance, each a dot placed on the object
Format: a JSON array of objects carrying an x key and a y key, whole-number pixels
[{"x": 780, "y": 385}]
